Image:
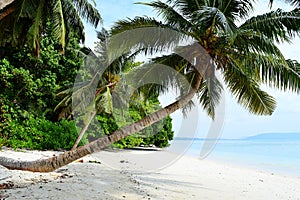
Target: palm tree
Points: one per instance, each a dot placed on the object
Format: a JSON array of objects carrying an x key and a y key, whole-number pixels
[
  {"x": 245, "y": 55},
  {"x": 32, "y": 17},
  {"x": 103, "y": 95}
]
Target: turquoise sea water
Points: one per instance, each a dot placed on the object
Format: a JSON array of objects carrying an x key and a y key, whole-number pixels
[{"x": 274, "y": 153}]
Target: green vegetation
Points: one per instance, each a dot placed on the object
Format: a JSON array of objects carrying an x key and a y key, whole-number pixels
[
  {"x": 158, "y": 134},
  {"x": 245, "y": 54},
  {"x": 39, "y": 133},
  {"x": 29, "y": 86},
  {"x": 24, "y": 22},
  {"x": 28, "y": 98}
]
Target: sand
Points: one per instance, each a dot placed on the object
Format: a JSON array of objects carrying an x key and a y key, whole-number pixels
[{"x": 118, "y": 175}]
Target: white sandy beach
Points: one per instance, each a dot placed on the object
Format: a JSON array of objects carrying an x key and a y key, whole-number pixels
[{"x": 188, "y": 178}]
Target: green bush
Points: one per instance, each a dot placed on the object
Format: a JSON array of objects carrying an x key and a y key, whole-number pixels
[
  {"x": 158, "y": 134},
  {"x": 41, "y": 134},
  {"x": 27, "y": 97}
]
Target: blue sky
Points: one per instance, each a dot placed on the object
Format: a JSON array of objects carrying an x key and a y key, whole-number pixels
[{"x": 238, "y": 122}]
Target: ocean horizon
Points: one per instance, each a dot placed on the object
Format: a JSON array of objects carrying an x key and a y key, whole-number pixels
[{"x": 270, "y": 152}]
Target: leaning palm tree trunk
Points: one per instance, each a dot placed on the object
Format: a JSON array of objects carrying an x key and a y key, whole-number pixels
[
  {"x": 84, "y": 129},
  {"x": 51, "y": 164},
  {"x": 82, "y": 132}
]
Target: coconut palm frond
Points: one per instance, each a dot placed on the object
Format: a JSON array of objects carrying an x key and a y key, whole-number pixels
[
  {"x": 186, "y": 7},
  {"x": 170, "y": 15},
  {"x": 34, "y": 30},
  {"x": 277, "y": 25},
  {"x": 207, "y": 17},
  {"x": 284, "y": 76},
  {"x": 209, "y": 95},
  {"x": 104, "y": 101},
  {"x": 88, "y": 12},
  {"x": 151, "y": 36},
  {"x": 72, "y": 19},
  {"x": 59, "y": 28},
  {"x": 248, "y": 41},
  {"x": 235, "y": 9},
  {"x": 247, "y": 92},
  {"x": 25, "y": 20}
]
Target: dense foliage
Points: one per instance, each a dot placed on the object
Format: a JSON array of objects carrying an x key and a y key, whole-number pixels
[
  {"x": 23, "y": 22},
  {"x": 29, "y": 86},
  {"x": 28, "y": 97},
  {"x": 158, "y": 134}
]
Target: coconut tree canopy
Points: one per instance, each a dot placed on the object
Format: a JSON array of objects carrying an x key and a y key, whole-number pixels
[{"x": 23, "y": 21}]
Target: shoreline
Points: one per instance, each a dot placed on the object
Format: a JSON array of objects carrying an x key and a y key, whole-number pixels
[
  {"x": 280, "y": 157},
  {"x": 187, "y": 178},
  {"x": 251, "y": 167}
]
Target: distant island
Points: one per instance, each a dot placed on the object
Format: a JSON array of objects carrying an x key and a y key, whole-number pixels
[
  {"x": 189, "y": 138},
  {"x": 275, "y": 136},
  {"x": 262, "y": 136}
]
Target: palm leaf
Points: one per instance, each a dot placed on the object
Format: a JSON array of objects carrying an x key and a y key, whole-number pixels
[
  {"x": 234, "y": 9},
  {"x": 186, "y": 7},
  {"x": 284, "y": 76},
  {"x": 150, "y": 36},
  {"x": 88, "y": 12},
  {"x": 247, "y": 91},
  {"x": 36, "y": 28},
  {"x": 209, "y": 95},
  {"x": 30, "y": 16},
  {"x": 207, "y": 17},
  {"x": 59, "y": 28},
  {"x": 248, "y": 41},
  {"x": 105, "y": 102},
  {"x": 63, "y": 103},
  {"x": 73, "y": 20},
  {"x": 277, "y": 25},
  {"x": 170, "y": 15}
]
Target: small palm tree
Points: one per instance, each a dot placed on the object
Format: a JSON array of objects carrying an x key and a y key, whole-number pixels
[
  {"x": 246, "y": 55},
  {"x": 104, "y": 89},
  {"x": 24, "y": 20}
]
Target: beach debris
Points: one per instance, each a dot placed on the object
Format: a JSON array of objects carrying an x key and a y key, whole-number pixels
[
  {"x": 61, "y": 170},
  {"x": 91, "y": 160},
  {"x": 65, "y": 175},
  {"x": 7, "y": 185},
  {"x": 94, "y": 161}
]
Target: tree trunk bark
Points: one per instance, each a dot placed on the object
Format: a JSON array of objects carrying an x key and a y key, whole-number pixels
[
  {"x": 83, "y": 131},
  {"x": 51, "y": 164}
]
